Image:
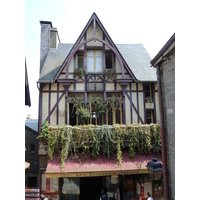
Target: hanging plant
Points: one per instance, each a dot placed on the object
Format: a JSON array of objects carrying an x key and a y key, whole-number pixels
[
  {"x": 79, "y": 72},
  {"x": 113, "y": 103},
  {"x": 65, "y": 138},
  {"x": 86, "y": 140},
  {"x": 110, "y": 73},
  {"x": 148, "y": 100},
  {"x": 83, "y": 113},
  {"x": 53, "y": 139}
]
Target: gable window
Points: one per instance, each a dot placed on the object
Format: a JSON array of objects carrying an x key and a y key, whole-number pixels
[
  {"x": 80, "y": 60},
  {"x": 94, "y": 61},
  {"x": 109, "y": 62}
]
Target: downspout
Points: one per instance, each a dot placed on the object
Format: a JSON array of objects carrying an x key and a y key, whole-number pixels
[{"x": 162, "y": 132}]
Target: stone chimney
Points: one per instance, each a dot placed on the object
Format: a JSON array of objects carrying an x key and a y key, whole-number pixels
[
  {"x": 44, "y": 41},
  {"x": 49, "y": 39}
]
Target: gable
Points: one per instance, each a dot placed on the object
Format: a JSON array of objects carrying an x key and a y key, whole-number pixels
[{"x": 132, "y": 59}]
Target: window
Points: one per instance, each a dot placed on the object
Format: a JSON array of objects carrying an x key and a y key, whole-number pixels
[
  {"x": 149, "y": 116},
  {"x": 32, "y": 148},
  {"x": 109, "y": 60},
  {"x": 114, "y": 115},
  {"x": 94, "y": 61},
  {"x": 147, "y": 90},
  {"x": 80, "y": 60}
]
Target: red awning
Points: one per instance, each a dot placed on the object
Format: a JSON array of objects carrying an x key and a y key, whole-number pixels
[{"x": 99, "y": 167}]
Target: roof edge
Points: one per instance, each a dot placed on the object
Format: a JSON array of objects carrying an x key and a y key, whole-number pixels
[{"x": 163, "y": 50}]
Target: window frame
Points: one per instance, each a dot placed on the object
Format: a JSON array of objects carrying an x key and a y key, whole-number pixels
[{"x": 94, "y": 61}]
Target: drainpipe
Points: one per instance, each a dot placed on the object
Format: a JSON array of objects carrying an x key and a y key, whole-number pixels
[{"x": 162, "y": 131}]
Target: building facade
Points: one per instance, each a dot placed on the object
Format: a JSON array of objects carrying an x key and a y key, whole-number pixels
[
  {"x": 75, "y": 80},
  {"x": 164, "y": 62},
  {"x": 31, "y": 153}
]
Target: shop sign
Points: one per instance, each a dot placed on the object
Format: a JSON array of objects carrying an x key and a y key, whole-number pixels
[{"x": 82, "y": 174}]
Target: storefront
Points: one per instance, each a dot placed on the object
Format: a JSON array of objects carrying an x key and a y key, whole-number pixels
[{"x": 86, "y": 179}]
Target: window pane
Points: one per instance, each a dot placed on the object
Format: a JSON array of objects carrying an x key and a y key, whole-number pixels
[
  {"x": 80, "y": 60},
  {"x": 98, "y": 61},
  {"x": 109, "y": 60},
  {"x": 90, "y": 61},
  {"x": 147, "y": 90},
  {"x": 117, "y": 116}
]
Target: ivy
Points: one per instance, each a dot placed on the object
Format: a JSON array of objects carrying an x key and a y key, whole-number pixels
[{"x": 89, "y": 140}]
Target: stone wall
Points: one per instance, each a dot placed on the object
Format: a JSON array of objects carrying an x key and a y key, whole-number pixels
[{"x": 167, "y": 70}]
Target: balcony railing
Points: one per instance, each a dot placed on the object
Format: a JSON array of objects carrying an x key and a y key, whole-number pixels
[{"x": 95, "y": 82}]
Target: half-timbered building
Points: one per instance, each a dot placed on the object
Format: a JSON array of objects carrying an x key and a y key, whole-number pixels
[{"x": 94, "y": 67}]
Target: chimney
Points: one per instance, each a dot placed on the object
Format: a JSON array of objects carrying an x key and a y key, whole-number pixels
[
  {"x": 44, "y": 41},
  {"x": 54, "y": 38},
  {"x": 49, "y": 39}
]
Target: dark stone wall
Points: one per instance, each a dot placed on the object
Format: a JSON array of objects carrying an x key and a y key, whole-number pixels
[
  {"x": 167, "y": 70},
  {"x": 31, "y": 156}
]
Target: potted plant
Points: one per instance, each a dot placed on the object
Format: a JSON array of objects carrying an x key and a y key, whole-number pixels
[
  {"x": 110, "y": 73},
  {"x": 80, "y": 72},
  {"x": 148, "y": 100}
]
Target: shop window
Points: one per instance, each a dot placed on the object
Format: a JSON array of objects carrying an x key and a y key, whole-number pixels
[
  {"x": 149, "y": 116},
  {"x": 109, "y": 62},
  {"x": 48, "y": 184}
]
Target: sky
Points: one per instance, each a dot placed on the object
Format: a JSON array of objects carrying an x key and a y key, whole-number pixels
[{"x": 130, "y": 22}]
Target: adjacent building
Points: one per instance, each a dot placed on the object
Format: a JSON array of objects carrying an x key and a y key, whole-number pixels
[
  {"x": 164, "y": 62},
  {"x": 31, "y": 153}
]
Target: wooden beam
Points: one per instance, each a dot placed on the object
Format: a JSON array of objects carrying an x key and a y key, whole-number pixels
[
  {"x": 132, "y": 104},
  {"x": 54, "y": 107}
]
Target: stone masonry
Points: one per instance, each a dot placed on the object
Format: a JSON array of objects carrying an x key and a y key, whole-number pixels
[{"x": 167, "y": 69}]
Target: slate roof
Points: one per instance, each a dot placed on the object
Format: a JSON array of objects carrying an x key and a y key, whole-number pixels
[
  {"x": 32, "y": 124},
  {"x": 138, "y": 60},
  {"x": 135, "y": 55}
]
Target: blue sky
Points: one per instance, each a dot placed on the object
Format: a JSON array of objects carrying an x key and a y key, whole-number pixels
[{"x": 131, "y": 22}]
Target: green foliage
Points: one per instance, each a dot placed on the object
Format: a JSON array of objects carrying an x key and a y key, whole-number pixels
[
  {"x": 86, "y": 140},
  {"x": 80, "y": 72},
  {"x": 44, "y": 131},
  {"x": 110, "y": 73},
  {"x": 113, "y": 103},
  {"x": 83, "y": 113}
]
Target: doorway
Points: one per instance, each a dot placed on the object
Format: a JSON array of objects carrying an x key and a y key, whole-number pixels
[{"x": 90, "y": 188}]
